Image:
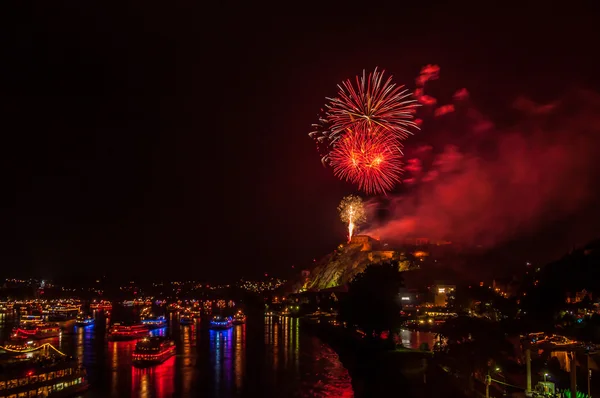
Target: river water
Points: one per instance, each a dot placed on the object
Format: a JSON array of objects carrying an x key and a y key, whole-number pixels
[{"x": 267, "y": 357}]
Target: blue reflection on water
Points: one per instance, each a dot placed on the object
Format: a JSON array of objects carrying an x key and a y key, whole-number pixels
[{"x": 159, "y": 332}]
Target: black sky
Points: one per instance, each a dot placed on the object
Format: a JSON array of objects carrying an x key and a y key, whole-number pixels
[{"x": 144, "y": 140}]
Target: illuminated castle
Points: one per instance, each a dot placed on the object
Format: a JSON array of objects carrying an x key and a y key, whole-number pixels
[{"x": 367, "y": 244}]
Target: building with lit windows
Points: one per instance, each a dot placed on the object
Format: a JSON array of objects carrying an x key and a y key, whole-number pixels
[{"x": 442, "y": 293}]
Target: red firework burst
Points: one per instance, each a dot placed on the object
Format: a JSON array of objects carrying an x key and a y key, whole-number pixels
[
  {"x": 369, "y": 158},
  {"x": 373, "y": 102}
]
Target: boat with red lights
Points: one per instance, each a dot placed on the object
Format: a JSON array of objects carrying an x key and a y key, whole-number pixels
[
  {"x": 120, "y": 331},
  {"x": 153, "y": 351},
  {"x": 239, "y": 318},
  {"x": 101, "y": 305},
  {"x": 36, "y": 331}
]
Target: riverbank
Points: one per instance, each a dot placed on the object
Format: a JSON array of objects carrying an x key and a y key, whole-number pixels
[{"x": 379, "y": 372}]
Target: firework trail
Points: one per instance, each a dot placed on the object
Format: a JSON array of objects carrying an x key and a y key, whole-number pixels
[
  {"x": 352, "y": 211},
  {"x": 369, "y": 158}
]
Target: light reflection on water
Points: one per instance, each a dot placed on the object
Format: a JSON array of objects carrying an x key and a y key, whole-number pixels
[
  {"x": 414, "y": 339},
  {"x": 267, "y": 357}
]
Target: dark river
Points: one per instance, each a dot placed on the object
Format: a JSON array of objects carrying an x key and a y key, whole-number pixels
[{"x": 267, "y": 357}]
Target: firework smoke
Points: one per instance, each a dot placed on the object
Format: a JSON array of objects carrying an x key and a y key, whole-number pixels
[
  {"x": 484, "y": 185},
  {"x": 352, "y": 211}
]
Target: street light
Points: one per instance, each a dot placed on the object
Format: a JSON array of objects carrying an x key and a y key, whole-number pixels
[
  {"x": 545, "y": 375},
  {"x": 488, "y": 381}
]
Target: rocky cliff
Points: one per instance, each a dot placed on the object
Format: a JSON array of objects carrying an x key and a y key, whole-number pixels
[{"x": 340, "y": 266}]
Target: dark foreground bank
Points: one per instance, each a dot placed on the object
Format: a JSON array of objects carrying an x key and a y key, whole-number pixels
[{"x": 377, "y": 372}]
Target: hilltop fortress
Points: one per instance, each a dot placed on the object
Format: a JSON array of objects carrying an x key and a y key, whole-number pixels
[
  {"x": 340, "y": 266},
  {"x": 349, "y": 259}
]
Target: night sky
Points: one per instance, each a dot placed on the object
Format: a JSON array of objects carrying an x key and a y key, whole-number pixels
[{"x": 172, "y": 141}]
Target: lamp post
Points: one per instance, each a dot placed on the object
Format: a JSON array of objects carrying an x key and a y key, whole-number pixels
[
  {"x": 545, "y": 375},
  {"x": 488, "y": 381}
]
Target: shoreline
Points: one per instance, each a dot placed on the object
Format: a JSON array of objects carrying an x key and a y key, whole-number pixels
[{"x": 378, "y": 372}]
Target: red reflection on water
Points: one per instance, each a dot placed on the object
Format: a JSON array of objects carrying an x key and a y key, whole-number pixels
[
  {"x": 334, "y": 379},
  {"x": 156, "y": 381}
]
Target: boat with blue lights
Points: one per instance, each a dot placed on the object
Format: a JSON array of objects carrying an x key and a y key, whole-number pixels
[
  {"x": 120, "y": 331},
  {"x": 153, "y": 351},
  {"x": 84, "y": 320},
  {"x": 219, "y": 322},
  {"x": 154, "y": 322}
]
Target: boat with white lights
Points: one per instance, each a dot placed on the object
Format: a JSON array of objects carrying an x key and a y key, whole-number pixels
[
  {"x": 154, "y": 322},
  {"x": 41, "y": 372},
  {"x": 239, "y": 318},
  {"x": 84, "y": 320},
  {"x": 153, "y": 351},
  {"x": 219, "y": 322},
  {"x": 36, "y": 331},
  {"x": 121, "y": 331},
  {"x": 61, "y": 312}
]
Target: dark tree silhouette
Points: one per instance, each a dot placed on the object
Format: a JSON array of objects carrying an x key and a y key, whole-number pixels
[
  {"x": 476, "y": 343},
  {"x": 372, "y": 303}
]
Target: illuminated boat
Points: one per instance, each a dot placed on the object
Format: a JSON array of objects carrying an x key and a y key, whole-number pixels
[
  {"x": 19, "y": 346},
  {"x": 84, "y": 320},
  {"x": 61, "y": 313},
  {"x": 186, "y": 319},
  {"x": 154, "y": 322},
  {"x": 36, "y": 331},
  {"x": 30, "y": 320},
  {"x": 121, "y": 331},
  {"x": 152, "y": 351},
  {"x": 101, "y": 305},
  {"x": 219, "y": 322},
  {"x": 6, "y": 307},
  {"x": 239, "y": 318},
  {"x": 41, "y": 373}
]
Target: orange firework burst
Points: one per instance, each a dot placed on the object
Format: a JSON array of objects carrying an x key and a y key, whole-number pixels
[{"x": 369, "y": 158}]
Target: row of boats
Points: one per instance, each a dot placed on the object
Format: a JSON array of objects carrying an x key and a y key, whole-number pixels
[
  {"x": 34, "y": 327},
  {"x": 31, "y": 369}
]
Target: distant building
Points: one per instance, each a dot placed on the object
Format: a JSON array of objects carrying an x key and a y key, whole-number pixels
[
  {"x": 441, "y": 294},
  {"x": 579, "y": 296},
  {"x": 409, "y": 297},
  {"x": 381, "y": 255},
  {"x": 365, "y": 240},
  {"x": 507, "y": 287}
]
